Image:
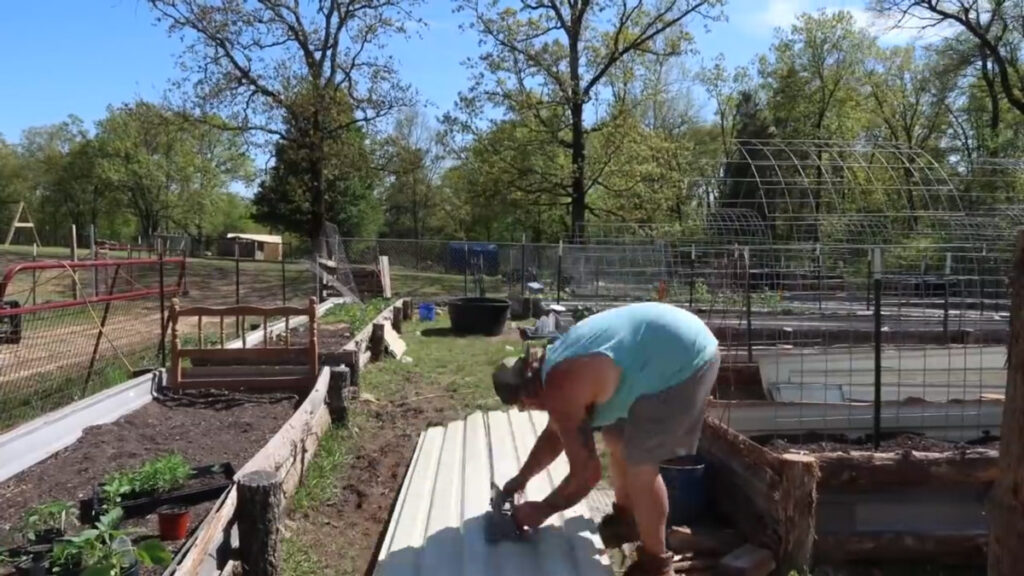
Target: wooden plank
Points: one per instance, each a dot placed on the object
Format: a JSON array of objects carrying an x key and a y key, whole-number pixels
[
  {"x": 255, "y": 371},
  {"x": 301, "y": 383},
  {"x": 243, "y": 310},
  {"x": 870, "y": 471},
  {"x": 289, "y": 452},
  {"x": 1006, "y": 503},
  {"x": 938, "y": 548},
  {"x": 250, "y": 356},
  {"x": 393, "y": 342}
]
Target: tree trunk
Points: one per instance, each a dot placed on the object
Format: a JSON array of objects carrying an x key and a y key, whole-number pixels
[
  {"x": 317, "y": 204},
  {"x": 578, "y": 213},
  {"x": 1006, "y": 503}
]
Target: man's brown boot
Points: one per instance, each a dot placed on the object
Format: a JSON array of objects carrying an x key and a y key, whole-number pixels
[
  {"x": 618, "y": 528},
  {"x": 647, "y": 564}
]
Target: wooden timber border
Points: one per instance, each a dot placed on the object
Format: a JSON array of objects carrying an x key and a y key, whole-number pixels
[
  {"x": 774, "y": 499},
  {"x": 288, "y": 454}
]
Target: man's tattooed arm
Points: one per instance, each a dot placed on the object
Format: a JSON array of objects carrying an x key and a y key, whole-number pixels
[{"x": 584, "y": 465}]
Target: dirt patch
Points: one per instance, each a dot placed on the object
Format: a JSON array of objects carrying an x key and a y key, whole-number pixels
[
  {"x": 817, "y": 444},
  {"x": 330, "y": 337},
  {"x": 221, "y": 429},
  {"x": 386, "y": 438}
]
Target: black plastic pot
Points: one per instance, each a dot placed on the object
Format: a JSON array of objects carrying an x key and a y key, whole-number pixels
[
  {"x": 478, "y": 316},
  {"x": 140, "y": 505},
  {"x": 47, "y": 536}
]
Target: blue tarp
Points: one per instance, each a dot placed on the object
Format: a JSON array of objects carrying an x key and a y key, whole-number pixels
[{"x": 477, "y": 251}]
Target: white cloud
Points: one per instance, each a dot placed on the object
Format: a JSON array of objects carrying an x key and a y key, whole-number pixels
[{"x": 782, "y": 14}]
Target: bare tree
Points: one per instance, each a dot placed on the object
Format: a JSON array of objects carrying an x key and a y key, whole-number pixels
[
  {"x": 994, "y": 24},
  {"x": 302, "y": 71}
]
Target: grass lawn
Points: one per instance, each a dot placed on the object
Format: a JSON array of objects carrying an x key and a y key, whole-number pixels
[{"x": 343, "y": 505}]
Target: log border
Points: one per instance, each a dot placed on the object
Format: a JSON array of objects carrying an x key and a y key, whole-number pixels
[{"x": 288, "y": 453}]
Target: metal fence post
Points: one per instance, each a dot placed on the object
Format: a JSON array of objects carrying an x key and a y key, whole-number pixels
[
  {"x": 558, "y": 282},
  {"x": 945, "y": 298},
  {"x": 35, "y": 254},
  {"x": 522, "y": 265},
  {"x": 92, "y": 250},
  {"x": 750, "y": 326},
  {"x": 238, "y": 289},
  {"x": 163, "y": 312},
  {"x": 284, "y": 278},
  {"x": 878, "y": 361},
  {"x": 871, "y": 258},
  {"x": 821, "y": 275},
  {"x": 465, "y": 268},
  {"x": 693, "y": 271}
]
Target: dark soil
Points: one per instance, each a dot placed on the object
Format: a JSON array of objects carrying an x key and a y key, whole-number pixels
[
  {"x": 367, "y": 487},
  {"x": 330, "y": 337},
  {"x": 895, "y": 444},
  {"x": 385, "y": 436},
  {"x": 219, "y": 428}
]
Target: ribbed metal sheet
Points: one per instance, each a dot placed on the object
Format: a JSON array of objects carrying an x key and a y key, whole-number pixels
[{"x": 437, "y": 526}]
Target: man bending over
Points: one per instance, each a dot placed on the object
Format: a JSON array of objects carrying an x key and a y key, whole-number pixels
[{"x": 640, "y": 374}]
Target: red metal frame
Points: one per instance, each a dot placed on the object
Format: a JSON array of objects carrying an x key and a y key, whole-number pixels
[{"x": 169, "y": 290}]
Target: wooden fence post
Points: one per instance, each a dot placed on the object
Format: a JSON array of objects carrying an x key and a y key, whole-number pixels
[
  {"x": 407, "y": 309},
  {"x": 396, "y": 318},
  {"x": 1006, "y": 501},
  {"x": 377, "y": 341},
  {"x": 336, "y": 393},
  {"x": 797, "y": 511},
  {"x": 259, "y": 514}
]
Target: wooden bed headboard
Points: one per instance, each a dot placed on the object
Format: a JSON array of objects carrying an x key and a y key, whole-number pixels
[{"x": 256, "y": 368}]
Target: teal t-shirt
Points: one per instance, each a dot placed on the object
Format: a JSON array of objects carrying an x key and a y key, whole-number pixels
[{"x": 656, "y": 345}]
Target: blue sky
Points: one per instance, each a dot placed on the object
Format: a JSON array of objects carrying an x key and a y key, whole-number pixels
[{"x": 63, "y": 57}]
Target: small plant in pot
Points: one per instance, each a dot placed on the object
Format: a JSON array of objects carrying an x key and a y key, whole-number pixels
[
  {"x": 105, "y": 550},
  {"x": 45, "y": 523}
]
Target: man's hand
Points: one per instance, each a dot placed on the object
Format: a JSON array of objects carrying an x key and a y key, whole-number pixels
[
  {"x": 530, "y": 515},
  {"x": 514, "y": 486}
]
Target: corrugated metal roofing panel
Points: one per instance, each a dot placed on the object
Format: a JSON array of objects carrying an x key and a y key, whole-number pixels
[{"x": 437, "y": 526}]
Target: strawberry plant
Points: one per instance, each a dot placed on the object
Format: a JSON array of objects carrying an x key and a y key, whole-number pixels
[
  {"x": 105, "y": 550},
  {"x": 52, "y": 517}
]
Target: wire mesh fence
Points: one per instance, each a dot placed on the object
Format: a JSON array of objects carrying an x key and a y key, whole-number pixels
[
  {"x": 818, "y": 339},
  {"x": 69, "y": 329}
]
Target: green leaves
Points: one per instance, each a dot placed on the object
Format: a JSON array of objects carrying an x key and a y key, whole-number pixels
[
  {"x": 157, "y": 475},
  {"x": 152, "y": 553}
]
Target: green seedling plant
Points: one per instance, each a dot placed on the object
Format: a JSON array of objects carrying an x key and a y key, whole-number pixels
[
  {"x": 163, "y": 474},
  {"x": 55, "y": 515},
  {"x": 158, "y": 475},
  {"x": 105, "y": 550}
]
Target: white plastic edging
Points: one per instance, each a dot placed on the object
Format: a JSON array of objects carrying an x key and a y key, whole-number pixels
[{"x": 36, "y": 440}]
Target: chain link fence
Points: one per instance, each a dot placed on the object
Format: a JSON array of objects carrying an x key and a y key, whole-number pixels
[{"x": 816, "y": 335}]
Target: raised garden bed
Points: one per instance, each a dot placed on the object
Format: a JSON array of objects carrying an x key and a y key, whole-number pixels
[
  {"x": 835, "y": 501},
  {"x": 206, "y": 429}
]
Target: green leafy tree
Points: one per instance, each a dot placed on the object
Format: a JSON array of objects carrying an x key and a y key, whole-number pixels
[
  {"x": 284, "y": 201},
  {"x": 546, "y": 63},
  {"x": 168, "y": 170},
  {"x": 413, "y": 164},
  {"x": 276, "y": 71}
]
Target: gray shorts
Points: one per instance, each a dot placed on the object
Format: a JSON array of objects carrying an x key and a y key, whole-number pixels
[{"x": 667, "y": 424}]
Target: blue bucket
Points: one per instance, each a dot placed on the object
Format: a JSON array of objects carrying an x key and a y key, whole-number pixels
[
  {"x": 426, "y": 312},
  {"x": 687, "y": 494}
]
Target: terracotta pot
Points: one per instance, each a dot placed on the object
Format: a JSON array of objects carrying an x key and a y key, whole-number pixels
[{"x": 173, "y": 521}]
